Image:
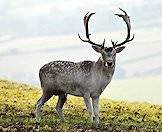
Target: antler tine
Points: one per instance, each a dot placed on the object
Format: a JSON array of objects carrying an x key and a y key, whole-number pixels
[
  {"x": 114, "y": 43},
  {"x": 127, "y": 21},
  {"x": 103, "y": 44},
  {"x": 86, "y": 20},
  {"x": 123, "y": 11}
]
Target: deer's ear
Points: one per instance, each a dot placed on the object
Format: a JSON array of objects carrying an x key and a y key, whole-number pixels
[
  {"x": 119, "y": 49},
  {"x": 97, "y": 48}
]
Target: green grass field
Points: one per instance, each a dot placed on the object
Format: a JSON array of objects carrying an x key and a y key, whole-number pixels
[{"x": 17, "y": 104}]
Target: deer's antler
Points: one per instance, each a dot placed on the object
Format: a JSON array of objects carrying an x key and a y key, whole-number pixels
[
  {"x": 127, "y": 21},
  {"x": 86, "y": 20}
]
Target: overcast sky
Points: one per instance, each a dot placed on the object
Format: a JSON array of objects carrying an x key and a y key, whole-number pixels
[{"x": 19, "y": 18}]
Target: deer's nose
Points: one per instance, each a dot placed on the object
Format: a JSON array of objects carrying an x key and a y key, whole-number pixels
[{"x": 109, "y": 63}]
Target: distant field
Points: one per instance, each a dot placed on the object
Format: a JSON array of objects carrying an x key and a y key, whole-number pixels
[
  {"x": 147, "y": 89},
  {"x": 17, "y": 103}
]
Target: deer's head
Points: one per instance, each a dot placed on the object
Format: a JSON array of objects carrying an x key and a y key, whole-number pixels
[{"x": 108, "y": 53}]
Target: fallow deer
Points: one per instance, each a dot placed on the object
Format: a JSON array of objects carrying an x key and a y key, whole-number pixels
[{"x": 86, "y": 79}]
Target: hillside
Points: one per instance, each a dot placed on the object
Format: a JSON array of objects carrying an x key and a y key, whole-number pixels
[{"x": 17, "y": 103}]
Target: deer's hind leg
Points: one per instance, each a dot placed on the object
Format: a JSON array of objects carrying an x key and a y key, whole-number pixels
[
  {"x": 44, "y": 98},
  {"x": 61, "y": 100}
]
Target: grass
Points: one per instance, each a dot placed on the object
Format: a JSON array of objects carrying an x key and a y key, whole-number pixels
[{"x": 17, "y": 104}]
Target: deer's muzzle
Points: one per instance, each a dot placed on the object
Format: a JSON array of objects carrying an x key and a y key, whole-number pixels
[{"x": 108, "y": 64}]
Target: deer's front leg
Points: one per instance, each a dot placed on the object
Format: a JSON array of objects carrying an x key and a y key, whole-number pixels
[
  {"x": 95, "y": 103},
  {"x": 88, "y": 104}
]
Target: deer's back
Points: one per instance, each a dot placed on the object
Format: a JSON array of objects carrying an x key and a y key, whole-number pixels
[{"x": 66, "y": 75}]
